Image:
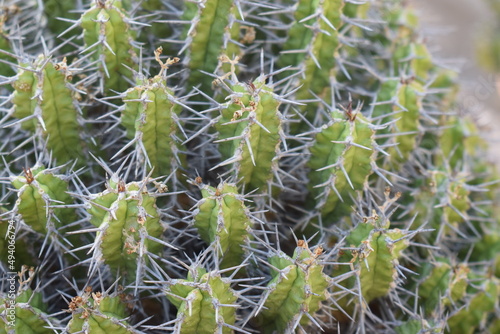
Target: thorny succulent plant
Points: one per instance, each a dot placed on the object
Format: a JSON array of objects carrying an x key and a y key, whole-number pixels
[{"x": 238, "y": 166}]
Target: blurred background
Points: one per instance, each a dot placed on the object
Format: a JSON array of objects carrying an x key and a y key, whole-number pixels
[{"x": 465, "y": 35}]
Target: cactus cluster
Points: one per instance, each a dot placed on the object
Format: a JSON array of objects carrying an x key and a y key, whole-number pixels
[{"x": 238, "y": 166}]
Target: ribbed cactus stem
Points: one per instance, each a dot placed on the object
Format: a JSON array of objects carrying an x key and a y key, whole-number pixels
[
  {"x": 342, "y": 158},
  {"x": 205, "y": 303},
  {"x": 44, "y": 206},
  {"x": 322, "y": 55},
  {"x": 151, "y": 119},
  {"x": 45, "y": 103},
  {"x": 129, "y": 227},
  {"x": 109, "y": 40},
  {"x": 250, "y": 134},
  {"x": 98, "y": 312},
  {"x": 297, "y": 288},
  {"x": 205, "y": 39},
  {"x": 222, "y": 219},
  {"x": 30, "y": 311}
]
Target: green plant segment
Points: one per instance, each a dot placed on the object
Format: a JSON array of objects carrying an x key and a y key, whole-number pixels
[
  {"x": 230, "y": 166},
  {"x": 5, "y": 45},
  {"x": 296, "y": 290},
  {"x": 407, "y": 121},
  {"x": 479, "y": 305},
  {"x": 44, "y": 102},
  {"x": 300, "y": 34},
  {"x": 24, "y": 311},
  {"x": 14, "y": 248},
  {"x": 374, "y": 251},
  {"x": 322, "y": 54},
  {"x": 206, "y": 38},
  {"x": 250, "y": 133},
  {"x": 37, "y": 191},
  {"x": 44, "y": 207},
  {"x": 128, "y": 223},
  {"x": 98, "y": 312},
  {"x": 204, "y": 302},
  {"x": 108, "y": 39},
  {"x": 342, "y": 159},
  {"x": 441, "y": 281},
  {"x": 222, "y": 218},
  {"x": 151, "y": 119},
  {"x": 419, "y": 326}
]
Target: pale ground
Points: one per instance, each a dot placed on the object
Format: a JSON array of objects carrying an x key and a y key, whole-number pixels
[{"x": 452, "y": 28}]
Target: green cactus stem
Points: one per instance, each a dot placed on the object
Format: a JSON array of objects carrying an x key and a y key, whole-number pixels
[
  {"x": 443, "y": 201},
  {"x": 441, "y": 284},
  {"x": 44, "y": 205},
  {"x": 205, "y": 39},
  {"x": 100, "y": 313},
  {"x": 373, "y": 249},
  {"x": 320, "y": 65},
  {"x": 222, "y": 219},
  {"x": 250, "y": 134},
  {"x": 151, "y": 119},
  {"x": 205, "y": 303},
  {"x": 342, "y": 158},
  {"x": 295, "y": 292},
  {"x": 45, "y": 103},
  {"x": 407, "y": 126},
  {"x": 24, "y": 311},
  {"x": 301, "y": 34},
  {"x": 483, "y": 302},
  {"x": 129, "y": 227},
  {"x": 109, "y": 39}
]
